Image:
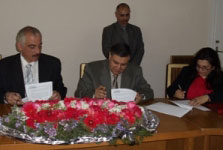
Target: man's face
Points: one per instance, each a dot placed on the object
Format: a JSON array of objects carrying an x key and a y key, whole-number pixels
[
  {"x": 118, "y": 64},
  {"x": 123, "y": 15},
  {"x": 32, "y": 47}
]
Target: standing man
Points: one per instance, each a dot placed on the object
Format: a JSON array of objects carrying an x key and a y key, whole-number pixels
[
  {"x": 27, "y": 67},
  {"x": 101, "y": 76},
  {"x": 123, "y": 32}
]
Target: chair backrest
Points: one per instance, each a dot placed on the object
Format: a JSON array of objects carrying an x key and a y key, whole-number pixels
[
  {"x": 173, "y": 71},
  {"x": 82, "y": 67},
  {"x": 181, "y": 59},
  {"x": 0, "y": 56}
]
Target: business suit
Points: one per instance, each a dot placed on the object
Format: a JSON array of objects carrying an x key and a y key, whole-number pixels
[
  {"x": 11, "y": 75},
  {"x": 98, "y": 73},
  {"x": 112, "y": 35},
  {"x": 184, "y": 79}
]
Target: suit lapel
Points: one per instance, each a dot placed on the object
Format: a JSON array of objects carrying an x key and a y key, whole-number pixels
[
  {"x": 42, "y": 69},
  {"x": 106, "y": 78},
  {"x": 125, "y": 79},
  {"x": 18, "y": 74},
  {"x": 130, "y": 35},
  {"x": 119, "y": 33}
]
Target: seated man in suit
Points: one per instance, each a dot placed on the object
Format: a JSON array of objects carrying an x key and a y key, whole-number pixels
[
  {"x": 29, "y": 66},
  {"x": 98, "y": 78},
  {"x": 123, "y": 32}
]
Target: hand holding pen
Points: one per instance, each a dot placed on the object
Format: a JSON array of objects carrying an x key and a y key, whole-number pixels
[
  {"x": 100, "y": 92},
  {"x": 179, "y": 94}
]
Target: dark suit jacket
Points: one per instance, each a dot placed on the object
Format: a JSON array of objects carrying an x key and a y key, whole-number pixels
[
  {"x": 185, "y": 81},
  {"x": 11, "y": 75},
  {"x": 98, "y": 73},
  {"x": 112, "y": 35}
]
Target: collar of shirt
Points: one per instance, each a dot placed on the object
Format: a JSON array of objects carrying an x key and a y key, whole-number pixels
[
  {"x": 35, "y": 69},
  {"x": 122, "y": 27}
]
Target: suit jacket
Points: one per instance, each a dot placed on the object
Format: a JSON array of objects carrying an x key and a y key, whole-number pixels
[
  {"x": 184, "y": 80},
  {"x": 112, "y": 35},
  {"x": 98, "y": 73},
  {"x": 11, "y": 75}
]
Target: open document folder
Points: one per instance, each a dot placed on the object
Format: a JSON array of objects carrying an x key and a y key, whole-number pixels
[
  {"x": 123, "y": 94},
  {"x": 168, "y": 109},
  {"x": 184, "y": 107},
  {"x": 185, "y": 104},
  {"x": 39, "y": 91}
]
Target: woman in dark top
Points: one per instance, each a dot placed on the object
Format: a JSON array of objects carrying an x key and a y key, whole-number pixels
[{"x": 201, "y": 81}]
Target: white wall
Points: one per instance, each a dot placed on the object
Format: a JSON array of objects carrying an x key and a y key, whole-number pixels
[{"x": 72, "y": 31}]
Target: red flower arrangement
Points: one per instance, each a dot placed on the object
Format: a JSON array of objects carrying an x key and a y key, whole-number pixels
[{"x": 74, "y": 118}]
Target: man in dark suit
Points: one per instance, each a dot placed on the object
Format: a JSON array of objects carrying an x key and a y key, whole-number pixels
[
  {"x": 43, "y": 68},
  {"x": 98, "y": 78},
  {"x": 123, "y": 32}
]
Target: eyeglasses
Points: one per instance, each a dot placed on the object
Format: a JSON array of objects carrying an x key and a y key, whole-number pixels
[{"x": 203, "y": 68}]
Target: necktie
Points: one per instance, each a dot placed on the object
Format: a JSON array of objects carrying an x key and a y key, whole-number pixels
[
  {"x": 29, "y": 75},
  {"x": 125, "y": 36},
  {"x": 115, "y": 83}
]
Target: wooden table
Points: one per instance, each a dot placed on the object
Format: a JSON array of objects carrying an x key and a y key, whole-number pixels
[{"x": 197, "y": 130}]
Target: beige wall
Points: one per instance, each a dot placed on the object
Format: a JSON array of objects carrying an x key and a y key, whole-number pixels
[{"x": 72, "y": 31}]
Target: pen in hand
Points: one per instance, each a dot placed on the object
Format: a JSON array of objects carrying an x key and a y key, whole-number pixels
[{"x": 182, "y": 93}]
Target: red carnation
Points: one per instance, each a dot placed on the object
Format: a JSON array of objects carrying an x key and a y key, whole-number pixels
[
  {"x": 73, "y": 113},
  {"x": 91, "y": 122},
  {"x": 128, "y": 115},
  {"x": 30, "y": 122},
  {"x": 30, "y": 109},
  {"x": 47, "y": 115},
  {"x": 137, "y": 111},
  {"x": 131, "y": 119},
  {"x": 112, "y": 119}
]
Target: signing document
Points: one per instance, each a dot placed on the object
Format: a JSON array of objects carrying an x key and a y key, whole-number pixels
[
  {"x": 168, "y": 109},
  {"x": 39, "y": 91},
  {"x": 185, "y": 104},
  {"x": 123, "y": 95}
]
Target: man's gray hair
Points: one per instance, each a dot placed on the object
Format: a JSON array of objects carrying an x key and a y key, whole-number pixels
[{"x": 28, "y": 29}]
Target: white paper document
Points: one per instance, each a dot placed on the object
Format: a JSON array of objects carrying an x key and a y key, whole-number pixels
[
  {"x": 168, "y": 109},
  {"x": 39, "y": 91},
  {"x": 185, "y": 104},
  {"x": 123, "y": 95}
]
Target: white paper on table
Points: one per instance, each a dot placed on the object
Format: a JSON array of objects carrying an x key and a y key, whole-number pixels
[
  {"x": 185, "y": 104},
  {"x": 39, "y": 91},
  {"x": 168, "y": 109},
  {"x": 123, "y": 94}
]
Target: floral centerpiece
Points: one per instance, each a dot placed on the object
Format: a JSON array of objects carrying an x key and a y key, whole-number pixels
[{"x": 74, "y": 120}]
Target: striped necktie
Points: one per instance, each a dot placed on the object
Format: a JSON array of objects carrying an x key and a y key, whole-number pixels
[
  {"x": 29, "y": 75},
  {"x": 115, "y": 82}
]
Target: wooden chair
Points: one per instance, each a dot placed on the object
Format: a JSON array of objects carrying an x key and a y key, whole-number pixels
[
  {"x": 173, "y": 71},
  {"x": 181, "y": 59},
  {"x": 0, "y": 56},
  {"x": 82, "y": 67}
]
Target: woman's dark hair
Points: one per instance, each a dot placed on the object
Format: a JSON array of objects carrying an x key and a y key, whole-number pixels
[{"x": 211, "y": 56}]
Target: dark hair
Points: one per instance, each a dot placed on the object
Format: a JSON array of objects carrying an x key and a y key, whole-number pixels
[
  {"x": 122, "y": 5},
  {"x": 211, "y": 56},
  {"x": 121, "y": 50}
]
